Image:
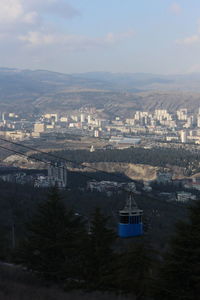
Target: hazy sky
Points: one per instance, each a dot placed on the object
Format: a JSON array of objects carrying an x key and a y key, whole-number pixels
[{"x": 156, "y": 36}]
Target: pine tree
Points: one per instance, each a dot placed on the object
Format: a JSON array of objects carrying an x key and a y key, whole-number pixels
[
  {"x": 134, "y": 270},
  {"x": 100, "y": 256},
  {"x": 4, "y": 249},
  {"x": 52, "y": 238},
  {"x": 180, "y": 275}
]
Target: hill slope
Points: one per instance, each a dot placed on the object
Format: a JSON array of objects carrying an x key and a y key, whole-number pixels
[{"x": 26, "y": 90}]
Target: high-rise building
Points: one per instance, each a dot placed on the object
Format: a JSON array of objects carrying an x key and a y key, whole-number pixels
[
  {"x": 96, "y": 133},
  {"x": 198, "y": 121},
  {"x": 183, "y": 135},
  {"x": 57, "y": 175},
  {"x": 190, "y": 122},
  {"x": 89, "y": 119},
  {"x": 82, "y": 118}
]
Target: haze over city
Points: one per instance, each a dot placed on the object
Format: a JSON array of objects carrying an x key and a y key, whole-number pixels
[{"x": 117, "y": 36}]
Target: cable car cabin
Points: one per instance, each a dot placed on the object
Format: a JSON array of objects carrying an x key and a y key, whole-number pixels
[{"x": 130, "y": 221}]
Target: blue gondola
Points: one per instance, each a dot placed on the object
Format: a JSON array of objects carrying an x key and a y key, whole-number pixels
[{"x": 130, "y": 223}]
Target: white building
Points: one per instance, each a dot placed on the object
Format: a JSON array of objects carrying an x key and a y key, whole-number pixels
[
  {"x": 82, "y": 118},
  {"x": 198, "y": 121},
  {"x": 63, "y": 119},
  {"x": 39, "y": 127},
  {"x": 96, "y": 133},
  {"x": 185, "y": 197},
  {"x": 51, "y": 117},
  {"x": 183, "y": 136},
  {"x": 182, "y": 114}
]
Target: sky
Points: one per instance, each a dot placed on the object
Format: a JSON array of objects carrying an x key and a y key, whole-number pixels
[{"x": 75, "y": 36}]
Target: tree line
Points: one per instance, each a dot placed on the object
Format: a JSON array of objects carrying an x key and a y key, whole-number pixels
[
  {"x": 61, "y": 247},
  {"x": 156, "y": 156}
]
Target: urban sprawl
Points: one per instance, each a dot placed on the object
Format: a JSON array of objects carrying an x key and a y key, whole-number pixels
[{"x": 180, "y": 126}]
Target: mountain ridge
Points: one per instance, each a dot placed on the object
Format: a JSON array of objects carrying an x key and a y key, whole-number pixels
[{"x": 115, "y": 93}]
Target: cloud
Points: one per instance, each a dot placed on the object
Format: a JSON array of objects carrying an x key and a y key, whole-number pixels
[
  {"x": 23, "y": 25},
  {"x": 191, "y": 40},
  {"x": 22, "y": 20},
  {"x": 10, "y": 11},
  {"x": 113, "y": 38},
  {"x": 54, "y": 7},
  {"x": 31, "y": 17},
  {"x": 194, "y": 69},
  {"x": 30, "y": 11},
  {"x": 175, "y": 8},
  {"x": 28, "y": 30},
  {"x": 194, "y": 39},
  {"x": 70, "y": 41},
  {"x": 35, "y": 38}
]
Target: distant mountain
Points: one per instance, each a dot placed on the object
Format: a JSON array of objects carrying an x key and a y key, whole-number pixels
[
  {"x": 126, "y": 80},
  {"x": 147, "y": 81},
  {"x": 115, "y": 93}
]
